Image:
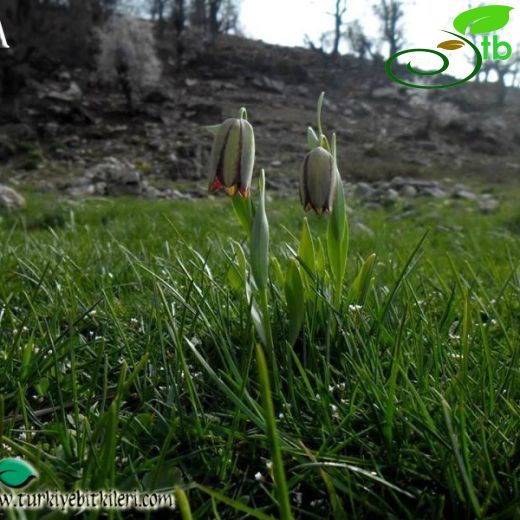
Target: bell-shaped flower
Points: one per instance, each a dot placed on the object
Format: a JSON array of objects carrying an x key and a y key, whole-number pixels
[
  {"x": 319, "y": 180},
  {"x": 233, "y": 157}
]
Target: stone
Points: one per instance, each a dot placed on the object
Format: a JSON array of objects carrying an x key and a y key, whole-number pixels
[
  {"x": 157, "y": 95},
  {"x": 397, "y": 182},
  {"x": 408, "y": 191},
  {"x": 64, "y": 76},
  {"x": 269, "y": 85},
  {"x": 465, "y": 195},
  {"x": 118, "y": 176},
  {"x": 436, "y": 193},
  {"x": 71, "y": 95},
  {"x": 363, "y": 190},
  {"x": 387, "y": 93},
  {"x": 390, "y": 197},
  {"x": 277, "y": 184},
  {"x": 10, "y": 199},
  {"x": 488, "y": 204}
]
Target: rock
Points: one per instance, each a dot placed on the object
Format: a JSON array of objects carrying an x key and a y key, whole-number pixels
[
  {"x": 72, "y": 95},
  {"x": 408, "y": 191},
  {"x": 64, "y": 76},
  {"x": 276, "y": 164},
  {"x": 118, "y": 177},
  {"x": 398, "y": 182},
  {"x": 465, "y": 195},
  {"x": 487, "y": 204},
  {"x": 156, "y": 95},
  {"x": 277, "y": 183},
  {"x": 390, "y": 197},
  {"x": 436, "y": 193},
  {"x": 269, "y": 85},
  {"x": 203, "y": 113},
  {"x": 387, "y": 93},
  {"x": 363, "y": 190},
  {"x": 10, "y": 199}
]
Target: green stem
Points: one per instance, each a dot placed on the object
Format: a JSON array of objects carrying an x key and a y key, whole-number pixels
[
  {"x": 320, "y": 108},
  {"x": 281, "y": 488},
  {"x": 266, "y": 320}
]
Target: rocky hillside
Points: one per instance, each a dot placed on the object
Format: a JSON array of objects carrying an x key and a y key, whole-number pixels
[{"x": 73, "y": 135}]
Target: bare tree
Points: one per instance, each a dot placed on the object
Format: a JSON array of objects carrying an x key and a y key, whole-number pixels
[
  {"x": 330, "y": 39},
  {"x": 179, "y": 16},
  {"x": 214, "y": 16},
  {"x": 359, "y": 42},
  {"x": 507, "y": 72},
  {"x": 198, "y": 16},
  {"x": 158, "y": 10},
  {"x": 390, "y": 13},
  {"x": 339, "y": 13},
  {"x": 179, "y": 24}
]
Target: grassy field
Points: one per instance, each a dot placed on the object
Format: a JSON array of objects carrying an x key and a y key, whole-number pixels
[{"x": 128, "y": 361}]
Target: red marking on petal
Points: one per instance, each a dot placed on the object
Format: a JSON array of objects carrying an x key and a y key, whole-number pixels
[
  {"x": 244, "y": 192},
  {"x": 215, "y": 185}
]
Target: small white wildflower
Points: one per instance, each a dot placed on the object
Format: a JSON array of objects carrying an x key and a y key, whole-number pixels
[
  {"x": 269, "y": 465},
  {"x": 355, "y": 309},
  {"x": 258, "y": 476},
  {"x": 196, "y": 342}
]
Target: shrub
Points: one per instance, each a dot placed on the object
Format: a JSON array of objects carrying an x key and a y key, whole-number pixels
[{"x": 127, "y": 56}]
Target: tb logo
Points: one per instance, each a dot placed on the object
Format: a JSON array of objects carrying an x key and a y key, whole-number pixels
[{"x": 3, "y": 41}]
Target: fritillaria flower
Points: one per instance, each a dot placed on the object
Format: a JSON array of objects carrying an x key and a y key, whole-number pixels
[
  {"x": 318, "y": 181},
  {"x": 233, "y": 156}
]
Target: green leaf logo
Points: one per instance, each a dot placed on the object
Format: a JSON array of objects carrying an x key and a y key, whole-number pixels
[
  {"x": 16, "y": 473},
  {"x": 485, "y": 19}
]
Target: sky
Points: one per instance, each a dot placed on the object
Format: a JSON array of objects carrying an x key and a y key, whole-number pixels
[{"x": 286, "y": 22}]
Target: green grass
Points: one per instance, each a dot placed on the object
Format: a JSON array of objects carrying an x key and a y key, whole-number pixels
[{"x": 128, "y": 361}]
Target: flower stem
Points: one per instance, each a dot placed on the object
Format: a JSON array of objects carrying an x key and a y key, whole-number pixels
[
  {"x": 266, "y": 320},
  {"x": 320, "y": 108}
]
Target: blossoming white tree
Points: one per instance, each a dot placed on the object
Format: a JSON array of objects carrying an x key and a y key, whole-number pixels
[{"x": 127, "y": 56}]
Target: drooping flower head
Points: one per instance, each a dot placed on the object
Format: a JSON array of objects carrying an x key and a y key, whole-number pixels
[
  {"x": 320, "y": 175},
  {"x": 233, "y": 156},
  {"x": 318, "y": 181}
]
